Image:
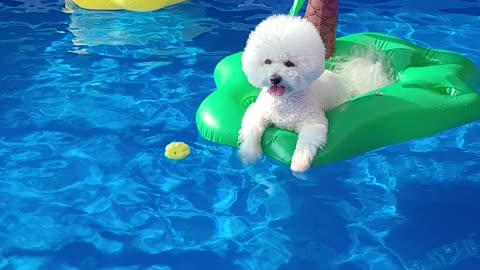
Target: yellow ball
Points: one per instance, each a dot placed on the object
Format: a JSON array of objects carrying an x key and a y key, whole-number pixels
[{"x": 177, "y": 150}]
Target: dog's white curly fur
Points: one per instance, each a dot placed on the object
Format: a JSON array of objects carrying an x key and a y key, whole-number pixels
[{"x": 285, "y": 58}]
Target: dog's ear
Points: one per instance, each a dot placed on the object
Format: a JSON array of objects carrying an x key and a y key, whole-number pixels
[{"x": 251, "y": 65}]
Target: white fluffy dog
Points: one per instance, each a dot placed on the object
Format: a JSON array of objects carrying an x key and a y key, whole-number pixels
[{"x": 285, "y": 58}]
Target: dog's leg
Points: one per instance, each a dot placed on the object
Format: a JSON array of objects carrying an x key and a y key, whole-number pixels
[
  {"x": 250, "y": 135},
  {"x": 311, "y": 137}
]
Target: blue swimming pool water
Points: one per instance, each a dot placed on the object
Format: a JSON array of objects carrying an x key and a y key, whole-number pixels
[{"x": 88, "y": 101}]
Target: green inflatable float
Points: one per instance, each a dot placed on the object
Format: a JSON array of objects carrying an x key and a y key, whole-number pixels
[{"x": 434, "y": 91}]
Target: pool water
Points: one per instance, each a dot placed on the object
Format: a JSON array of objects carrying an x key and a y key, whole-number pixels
[{"x": 90, "y": 99}]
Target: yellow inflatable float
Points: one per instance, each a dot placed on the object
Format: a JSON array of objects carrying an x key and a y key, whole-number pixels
[{"x": 132, "y": 5}]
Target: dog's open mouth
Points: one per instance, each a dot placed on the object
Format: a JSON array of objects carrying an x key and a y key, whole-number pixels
[{"x": 276, "y": 90}]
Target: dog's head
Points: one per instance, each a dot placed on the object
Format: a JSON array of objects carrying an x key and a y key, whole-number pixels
[{"x": 284, "y": 54}]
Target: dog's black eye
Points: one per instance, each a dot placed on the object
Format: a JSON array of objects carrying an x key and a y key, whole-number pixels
[
  {"x": 268, "y": 61},
  {"x": 289, "y": 64}
]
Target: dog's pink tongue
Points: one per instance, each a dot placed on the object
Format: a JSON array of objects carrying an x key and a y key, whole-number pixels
[{"x": 276, "y": 90}]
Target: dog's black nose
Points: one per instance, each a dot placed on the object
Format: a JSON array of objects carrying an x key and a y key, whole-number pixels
[{"x": 275, "y": 79}]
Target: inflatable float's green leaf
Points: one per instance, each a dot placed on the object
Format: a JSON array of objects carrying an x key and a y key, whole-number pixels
[
  {"x": 434, "y": 91},
  {"x": 296, "y": 7}
]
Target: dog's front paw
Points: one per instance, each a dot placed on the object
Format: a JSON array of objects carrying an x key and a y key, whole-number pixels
[
  {"x": 241, "y": 135},
  {"x": 250, "y": 153},
  {"x": 322, "y": 142},
  {"x": 301, "y": 161}
]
